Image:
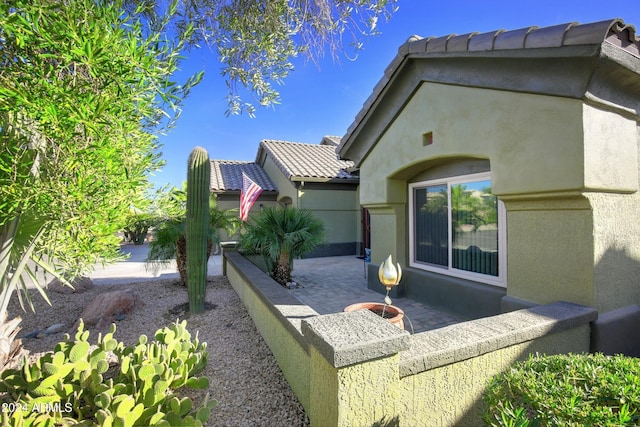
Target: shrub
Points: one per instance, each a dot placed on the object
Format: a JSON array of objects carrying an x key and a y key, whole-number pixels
[
  {"x": 76, "y": 383},
  {"x": 281, "y": 234},
  {"x": 568, "y": 390}
]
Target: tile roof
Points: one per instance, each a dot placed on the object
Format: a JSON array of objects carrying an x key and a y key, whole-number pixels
[
  {"x": 330, "y": 140},
  {"x": 307, "y": 162},
  {"x": 613, "y": 31},
  {"x": 609, "y": 42},
  {"x": 226, "y": 175}
]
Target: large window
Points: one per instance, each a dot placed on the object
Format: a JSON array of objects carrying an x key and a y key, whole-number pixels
[{"x": 457, "y": 228}]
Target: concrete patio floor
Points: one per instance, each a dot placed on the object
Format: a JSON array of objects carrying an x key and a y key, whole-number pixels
[{"x": 329, "y": 284}]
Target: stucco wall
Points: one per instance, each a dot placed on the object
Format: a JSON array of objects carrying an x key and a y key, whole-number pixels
[
  {"x": 616, "y": 250},
  {"x": 534, "y": 142},
  {"x": 388, "y": 233},
  {"x": 286, "y": 189},
  {"x": 610, "y": 151},
  {"x": 452, "y": 394},
  {"x": 363, "y": 394},
  {"x": 550, "y": 250},
  {"x": 338, "y": 210},
  {"x": 566, "y": 170},
  {"x": 356, "y": 369},
  {"x": 280, "y": 327}
]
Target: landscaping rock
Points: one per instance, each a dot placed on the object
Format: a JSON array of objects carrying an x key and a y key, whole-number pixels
[
  {"x": 80, "y": 284},
  {"x": 33, "y": 334},
  {"x": 107, "y": 307},
  {"x": 54, "y": 329}
]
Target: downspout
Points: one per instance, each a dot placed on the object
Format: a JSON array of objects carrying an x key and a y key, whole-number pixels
[{"x": 300, "y": 187}]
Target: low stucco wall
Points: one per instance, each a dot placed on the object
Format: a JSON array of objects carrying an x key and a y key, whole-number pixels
[
  {"x": 355, "y": 369},
  {"x": 277, "y": 316},
  {"x": 445, "y": 372}
]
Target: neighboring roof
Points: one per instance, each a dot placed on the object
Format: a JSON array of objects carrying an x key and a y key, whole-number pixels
[
  {"x": 226, "y": 175},
  {"x": 306, "y": 162},
  {"x": 330, "y": 140},
  {"x": 598, "y": 62}
]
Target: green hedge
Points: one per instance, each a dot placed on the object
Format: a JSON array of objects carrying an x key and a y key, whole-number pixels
[{"x": 566, "y": 390}]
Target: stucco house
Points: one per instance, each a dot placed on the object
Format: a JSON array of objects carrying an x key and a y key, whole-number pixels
[
  {"x": 502, "y": 170},
  {"x": 308, "y": 176}
]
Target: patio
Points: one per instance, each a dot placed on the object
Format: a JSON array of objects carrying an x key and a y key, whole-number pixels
[
  {"x": 329, "y": 284},
  {"x": 336, "y": 362}
]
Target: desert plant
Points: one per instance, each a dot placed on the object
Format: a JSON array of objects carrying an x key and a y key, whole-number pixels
[
  {"x": 169, "y": 242},
  {"x": 281, "y": 234},
  {"x": 197, "y": 227},
  {"x": 567, "y": 390},
  {"x": 75, "y": 383}
]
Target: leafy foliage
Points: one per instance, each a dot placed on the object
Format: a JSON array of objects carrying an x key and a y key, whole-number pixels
[
  {"x": 280, "y": 234},
  {"x": 77, "y": 383},
  {"x": 137, "y": 228},
  {"x": 83, "y": 90},
  {"x": 256, "y": 40},
  {"x": 567, "y": 390}
]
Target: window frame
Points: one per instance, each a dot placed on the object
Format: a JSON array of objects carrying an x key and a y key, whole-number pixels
[{"x": 449, "y": 270}]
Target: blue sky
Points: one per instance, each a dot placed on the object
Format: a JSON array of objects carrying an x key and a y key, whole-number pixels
[{"x": 318, "y": 100}]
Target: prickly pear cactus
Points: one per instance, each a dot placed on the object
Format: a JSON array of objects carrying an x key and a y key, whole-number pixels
[
  {"x": 197, "y": 227},
  {"x": 75, "y": 384}
]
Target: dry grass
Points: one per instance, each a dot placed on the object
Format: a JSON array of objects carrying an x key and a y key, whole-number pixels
[{"x": 244, "y": 377}]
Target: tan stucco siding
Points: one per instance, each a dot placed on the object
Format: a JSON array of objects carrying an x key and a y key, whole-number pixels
[
  {"x": 282, "y": 183},
  {"x": 534, "y": 142},
  {"x": 616, "y": 249},
  {"x": 610, "y": 151},
  {"x": 338, "y": 210}
]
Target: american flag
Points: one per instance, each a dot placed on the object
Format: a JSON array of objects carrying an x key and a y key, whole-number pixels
[{"x": 248, "y": 195}]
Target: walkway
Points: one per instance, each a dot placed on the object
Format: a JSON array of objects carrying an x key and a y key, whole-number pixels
[
  {"x": 329, "y": 284},
  {"x": 134, "y": 269}
]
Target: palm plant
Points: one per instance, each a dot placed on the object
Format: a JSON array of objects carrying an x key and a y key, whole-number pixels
[
  {"x": 280, "y": 235},
  {"x": 169, "y": 242}
]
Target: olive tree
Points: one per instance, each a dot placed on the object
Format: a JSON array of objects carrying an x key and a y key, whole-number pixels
[{"x": 256, "y": 40}]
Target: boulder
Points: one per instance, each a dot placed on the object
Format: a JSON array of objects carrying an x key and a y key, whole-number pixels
[
  {"x": 80, "y": 284},
  {"x": 106, "y": 307}
]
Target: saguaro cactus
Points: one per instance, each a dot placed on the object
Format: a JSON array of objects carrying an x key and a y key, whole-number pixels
[{"x": 198, "y": 187}]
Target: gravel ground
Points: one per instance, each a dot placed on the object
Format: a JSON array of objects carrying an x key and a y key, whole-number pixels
[{"x": 244, "y": 376}]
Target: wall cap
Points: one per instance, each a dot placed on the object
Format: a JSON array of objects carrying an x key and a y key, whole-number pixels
[
  {"x": 349, "y": 338},
  {"x": 465, "y": 340}
]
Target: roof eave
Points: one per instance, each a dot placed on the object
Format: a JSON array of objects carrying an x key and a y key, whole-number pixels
[
  {"x": 565, "y": 70},
  {"x": 329, "y": 180},
  {"x": 491, "y": 70}
]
